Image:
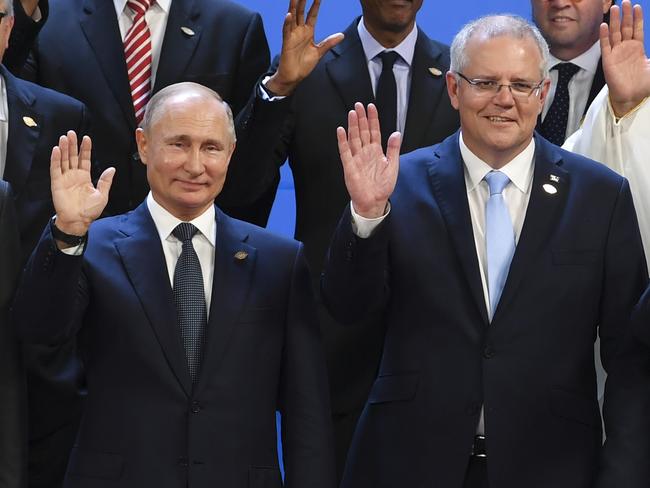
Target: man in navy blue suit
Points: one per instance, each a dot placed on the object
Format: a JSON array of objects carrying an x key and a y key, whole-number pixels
[
  {"x": 194, "y": 327},
  {"x": 497, "y": 262}
]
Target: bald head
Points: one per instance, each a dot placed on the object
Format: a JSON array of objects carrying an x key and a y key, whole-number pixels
[{"x": 183, "y": 92}]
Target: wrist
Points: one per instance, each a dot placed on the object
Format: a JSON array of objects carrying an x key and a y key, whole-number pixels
[
  {"x": 67, "y": 235},
  {"x": 278, "y": 87},
  {"x": 372, "y": 211}
]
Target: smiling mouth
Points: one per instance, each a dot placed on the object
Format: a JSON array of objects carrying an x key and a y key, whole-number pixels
[
  {"x": 562, "y": 20},
  {"x": 497, "y": 119}
]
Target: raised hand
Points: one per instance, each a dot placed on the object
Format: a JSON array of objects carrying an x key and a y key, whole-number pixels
[
  {"x": 76, "y": 201},
  {"x": 626, "y": 67},
  {"x": 370, "y": 176},
  {"x": 300, "y": 53}
]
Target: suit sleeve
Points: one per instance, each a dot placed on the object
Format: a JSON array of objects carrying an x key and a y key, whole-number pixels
[
  {"x": 13, "y": 427},
  {"x": 354, "y": 283},
  {"x": 307, "y": 438},
  {"x": 22, "y": 36},
  {"x": 52, "y": 295},
  {"x": 252, "y": 180},
  {"x": 625, "y": 358}
]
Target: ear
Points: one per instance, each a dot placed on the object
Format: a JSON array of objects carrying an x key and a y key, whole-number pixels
[
  {"x": 141, "y": 140},
  {"x": 452, "y": 88},
  {"x": 607, "y": 4}
]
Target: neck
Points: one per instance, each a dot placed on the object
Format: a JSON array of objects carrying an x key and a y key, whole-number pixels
[{"x": 386, "y": 38}]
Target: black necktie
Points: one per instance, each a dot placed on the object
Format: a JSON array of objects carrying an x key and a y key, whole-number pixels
[
  {"x": 555, "y": 122},
  {"x": 386, "y": 96},
  {"x": 189, "y": 296}
]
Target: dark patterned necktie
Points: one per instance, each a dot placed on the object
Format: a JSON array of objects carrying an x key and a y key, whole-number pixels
[
  {"x": 554, "y": 126},
  {"x": 189, "y": 296},
  {"x": 386, "y": 96}
]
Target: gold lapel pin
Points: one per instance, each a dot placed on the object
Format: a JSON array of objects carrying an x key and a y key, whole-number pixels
[
  {"x": 187, "y": 31},
  {"x": 435, "y": 71},
  {"x": 241, "y": 255},
  {"x": 29, "y": 122},
  {"x": 554, "y": 178},
  {"x": 550, "y": 189}
]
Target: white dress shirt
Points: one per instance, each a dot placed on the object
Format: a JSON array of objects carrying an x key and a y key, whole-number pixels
[
  {"x": 401, "y": 68},
  {"x": 4, "y": 126},
  {"x": 156, "y": 18},
  {"x": 579, "y": 85},
  {"x": 204, "y": 242}
]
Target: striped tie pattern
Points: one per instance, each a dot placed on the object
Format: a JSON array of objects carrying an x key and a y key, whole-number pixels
[{"x": 137, "y": 51}]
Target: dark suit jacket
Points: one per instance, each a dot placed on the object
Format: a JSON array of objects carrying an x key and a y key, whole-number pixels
[
  {"x": 319, "y": 105},
  {"x": 13, "y": 427},
  {"x": 144, "y": 423},
  {"x": 577, "y": 271},
  {"x": 227, "y": 52},
  {"x": 37, "y": 117}
]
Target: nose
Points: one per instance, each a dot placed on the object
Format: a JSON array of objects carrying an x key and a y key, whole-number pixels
[
  {"x": 504, "y": 96},
  {"x": 193, "y": 164}
]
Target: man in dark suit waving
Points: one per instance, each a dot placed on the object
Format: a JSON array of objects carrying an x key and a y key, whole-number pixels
[
  {"x": 194, "y": 327},
  {"x": 497, "y": 262}
]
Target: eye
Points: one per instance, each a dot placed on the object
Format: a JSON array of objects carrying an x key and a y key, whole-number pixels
[
  {"x": 522, "y": 87},
  {"x": 487, "y": 85}
]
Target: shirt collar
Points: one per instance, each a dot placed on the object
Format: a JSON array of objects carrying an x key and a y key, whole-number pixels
[
  {"x": 165, "y": 222},
  {"x": 120, "y": 5},
  {"x": 3, "y": 98},
  {"x": 519, "y": 169},
  {"x": 372, "y": 47},
  {"x": 587, "y": 61}
]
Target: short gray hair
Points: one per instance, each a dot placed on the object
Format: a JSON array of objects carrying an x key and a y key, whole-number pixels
[
  {"x": 491, "y": 26},
  {"x": 157, "y": 103}
]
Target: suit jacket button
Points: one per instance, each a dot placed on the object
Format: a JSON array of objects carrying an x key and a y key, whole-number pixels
[
  {"x": 488, "y": 352},
  {"x": 196, "y": 407},
  {"x": 182, "y": 462}
]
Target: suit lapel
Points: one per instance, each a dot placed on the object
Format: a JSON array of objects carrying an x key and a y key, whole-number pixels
[
  {"x": 596, "y": 85},
  {"x": 24, "y": 130},
  {"x": 233, "y": 269},
  {"x": 541, "y": 216},
  {"x": 178, "y": 46},
  {"x": 448, "y": 181},
  {"x": 426, "y": 90},
  {"x": 104, "y": 38},
  {"x": 144, "y": 262},
  {"x": 349, "y": 70}
]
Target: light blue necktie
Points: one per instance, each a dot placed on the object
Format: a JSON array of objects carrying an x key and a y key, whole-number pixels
[{"x": 499, "y": 237}]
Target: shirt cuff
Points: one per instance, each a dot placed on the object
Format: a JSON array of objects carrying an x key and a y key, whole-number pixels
[
  {"x": 363, "y": 227},
  {"x": 74, "y": 251},
  {"x": 265, "y": 94}
]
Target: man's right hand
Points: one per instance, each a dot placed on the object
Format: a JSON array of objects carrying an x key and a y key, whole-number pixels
[
  {"x": 77, "y": 202},
  {"x": 370, "y": 176}
]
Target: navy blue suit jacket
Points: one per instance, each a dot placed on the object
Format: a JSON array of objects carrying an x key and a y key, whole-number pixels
[
  {"x": 217, "y": 43},
  {"x": 144, "y": 423},
  {"x": 577, "y": 271},
  {"x": 37, "y": 117}
]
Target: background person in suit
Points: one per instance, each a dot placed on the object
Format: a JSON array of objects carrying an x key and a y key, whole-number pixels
[
  {"x": 13, "y": 406},
  {"x": 571, "y": 29},
  {"x": 350, "y": 72},
  {"x": 178, "y": 396},
  {"x": 217, "y": 43},
  {"x": 493, "y": 293},
  {"x": 34, "y": 119}
]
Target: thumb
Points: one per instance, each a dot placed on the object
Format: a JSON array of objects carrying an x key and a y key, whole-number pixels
[
  {"x": 105, "y": 181},
  {"x": 328, "y": 43}
]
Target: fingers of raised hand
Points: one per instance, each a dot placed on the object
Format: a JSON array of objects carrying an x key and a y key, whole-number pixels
[
  {"x": 614, "y": 25},
  {"x": 85, "y": 153},
  {"x": 374, "y": 124},
  {"x": 364, "y": 128},
  {"x": 312, "y": 15},
  {"x": 73, "y": 150},
  {"x": 638, "y": 23},
  {"x": 354, "y": 136},
  {"x": 627, "y": 25}
]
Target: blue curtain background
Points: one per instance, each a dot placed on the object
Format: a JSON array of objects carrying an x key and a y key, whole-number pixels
[{"x": 440, "y": 20}]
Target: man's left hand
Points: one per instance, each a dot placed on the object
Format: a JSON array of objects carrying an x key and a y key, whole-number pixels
[
  {"x": 626, "y": 67},
  {"x": 300, "y": 53}
]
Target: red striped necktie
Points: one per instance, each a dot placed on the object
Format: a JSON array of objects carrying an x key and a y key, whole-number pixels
[{"x": 137, "y": 51}]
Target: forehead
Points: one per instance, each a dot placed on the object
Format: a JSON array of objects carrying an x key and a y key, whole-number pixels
[
  {"x": 503, "y": 55},
  {"x": 190, "y": 112}
]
